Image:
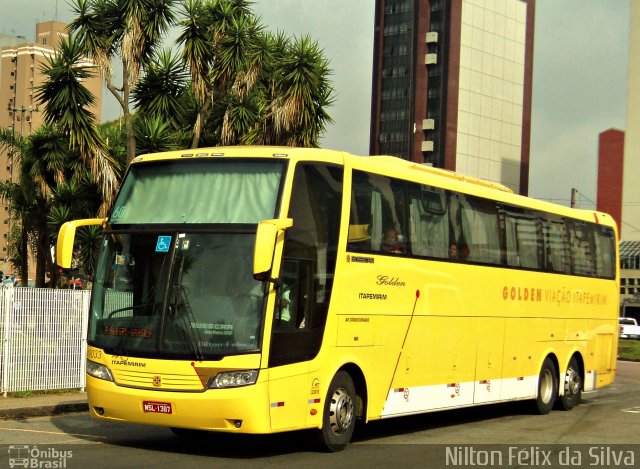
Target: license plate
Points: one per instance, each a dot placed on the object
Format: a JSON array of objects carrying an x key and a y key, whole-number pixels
[{"x": 157, "y": 407}]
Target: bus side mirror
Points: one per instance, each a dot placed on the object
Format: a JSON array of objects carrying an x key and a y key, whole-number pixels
[
  {"x": 266, "y": 239},
  {"x": 66, "y": 237}
]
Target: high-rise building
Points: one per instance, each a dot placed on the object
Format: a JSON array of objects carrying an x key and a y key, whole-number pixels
[
  {"x": 610, "y": 163},
  {"x": 21, "y": 62},
  {"x": 452, "y": 85},
  {"x": 630, "y": 227}
]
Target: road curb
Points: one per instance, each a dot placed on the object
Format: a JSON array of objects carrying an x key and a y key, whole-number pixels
[{"x": 43, "y": 410}]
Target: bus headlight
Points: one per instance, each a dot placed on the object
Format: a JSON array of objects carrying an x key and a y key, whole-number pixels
[
  {"x": 98, "y": 371},
  {"x": 234, "y": 379}
]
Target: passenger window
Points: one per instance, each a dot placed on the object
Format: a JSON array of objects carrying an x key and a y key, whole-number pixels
[
  {"x": 480, "y": 228},
  {"x": 377, "y": 219},
  {"x": 582, "y": 249},
  {"x": 523, "y": 240},
  {"x": 428, "y": 221},
  {"x": 606, "y": 252},
  {"x": 555, "y": 246}
]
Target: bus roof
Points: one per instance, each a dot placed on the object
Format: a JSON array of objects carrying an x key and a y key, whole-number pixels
[{"x": 390, "y": 166}]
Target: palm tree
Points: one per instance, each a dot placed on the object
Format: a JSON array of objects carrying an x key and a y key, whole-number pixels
[
  {"x": 219, "y": 40},
  {"x": 66, "y": 101},
  {"x": 158, "y": 94},
  {"x": 20, "y": 198},
  {"x": 128, "y": 29},
  {"x": 47, "y": 168},
  {"x": 302, "y": 92},
  {"x": 153, "y": 135},
  {"x": 73, "y": 200},
  {"x": 251, "y": 86}
]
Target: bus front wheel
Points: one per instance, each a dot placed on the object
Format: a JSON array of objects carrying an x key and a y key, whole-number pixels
[
  {"x": 547, "y": 387},
  {"x": 339, "y": 418},
  {"x": 572, "y": 386}
]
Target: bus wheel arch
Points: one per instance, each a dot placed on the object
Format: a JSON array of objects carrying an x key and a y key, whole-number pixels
[
  {"x": 360, "y": 384},
  {"x": 344, "y": 403},
  {"x": 572, "y": 383},
  {"x": 547, "y": 385}
]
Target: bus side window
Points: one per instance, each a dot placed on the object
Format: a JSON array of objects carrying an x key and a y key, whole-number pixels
[
  {"x": 480, "y": 228},
  {"x": 556, "y": 245},
  {"x": 294, "y": 294},
  {"x": 582, "y": 248},
  {"x": 523, "y": 239},
  {"x": 377, "y": 203},
  {"x": 606, "y": 252},
  {"x": 428, "y": 221}
]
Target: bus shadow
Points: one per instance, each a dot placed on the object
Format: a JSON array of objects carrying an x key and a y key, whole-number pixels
[{"x": 202, "y": 443}]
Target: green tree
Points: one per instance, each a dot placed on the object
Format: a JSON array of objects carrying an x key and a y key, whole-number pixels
[
  {"x": 76, "y": 199},
  {"x": 66, "y": 106},
  {"x": 159, "y": 92},
  {"x": 44, "y": 163},
  {"x": 128, "y": 30},
  {"x": 251, "y": 86}
]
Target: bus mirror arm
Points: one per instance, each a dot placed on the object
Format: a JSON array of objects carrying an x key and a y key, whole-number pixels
[
  {"x": 268, "y": 235},
  {"x": 66, "y": 237},
  {"x": 277, "y": 283}
]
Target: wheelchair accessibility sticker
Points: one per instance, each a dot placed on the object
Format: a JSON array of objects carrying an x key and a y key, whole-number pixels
[{"x": 163, "y": 244}]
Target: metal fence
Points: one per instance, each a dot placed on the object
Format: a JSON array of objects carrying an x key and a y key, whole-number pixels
[{"x": 42, "y": 338}]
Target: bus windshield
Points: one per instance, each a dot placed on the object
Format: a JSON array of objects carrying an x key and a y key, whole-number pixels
[
  {"x": 199, "y": 191},
  {"x": 174, "y": 278},
  {"x": 176, "y": 295}
]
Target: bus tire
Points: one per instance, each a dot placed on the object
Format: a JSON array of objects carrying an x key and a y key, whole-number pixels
[
  {"x": 573, "y": 385},
  {"x": 339, "y": 415},
  {"x": 547, "y": 387}
]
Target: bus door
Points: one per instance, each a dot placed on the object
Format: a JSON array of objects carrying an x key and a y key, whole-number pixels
[{"x": 303, "y": 292}]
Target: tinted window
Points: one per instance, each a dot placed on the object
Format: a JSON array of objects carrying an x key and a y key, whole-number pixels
[
  {"x": 308, "y": 265},
  {"x": 378, "y": 215}
]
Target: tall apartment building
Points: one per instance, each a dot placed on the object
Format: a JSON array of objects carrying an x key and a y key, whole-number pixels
[
  {"x": 20, "y": 75},
  {"x": 452, "y": 85}
]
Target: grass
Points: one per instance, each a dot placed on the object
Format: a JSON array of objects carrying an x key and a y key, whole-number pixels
[
  {"x": 22, "y": 394},
  {"x": 629, "y": 349}
]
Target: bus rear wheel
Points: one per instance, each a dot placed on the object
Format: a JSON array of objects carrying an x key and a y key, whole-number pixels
[
  {"x": 339, "y": 418},
  {"x": 547, "y": 387},
  {"x": 572, "y": 386}
]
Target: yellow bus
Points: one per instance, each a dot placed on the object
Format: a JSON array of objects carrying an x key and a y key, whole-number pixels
[{"x": 259, "y": 290}]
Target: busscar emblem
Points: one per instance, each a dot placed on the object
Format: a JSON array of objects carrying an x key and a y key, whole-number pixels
[{"x": 157, "y": 381}]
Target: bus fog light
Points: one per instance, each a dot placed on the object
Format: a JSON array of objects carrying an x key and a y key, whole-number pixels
[
  {"x": 234, "y": 379},
  {"x": 99, "y": 371},
  {"x": 237, "y": 423}
]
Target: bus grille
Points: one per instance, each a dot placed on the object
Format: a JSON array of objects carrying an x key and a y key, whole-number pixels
[{"x": 159, "y": 381}]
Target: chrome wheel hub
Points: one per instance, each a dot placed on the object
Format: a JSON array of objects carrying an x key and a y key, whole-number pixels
[
  {"x": 572, "y": 382},
  {"x": 546, "y": 386},
  {"x": 341, "y": 411}
]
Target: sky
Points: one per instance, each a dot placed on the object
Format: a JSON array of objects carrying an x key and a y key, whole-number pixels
[{"x": 579, "y": 77}]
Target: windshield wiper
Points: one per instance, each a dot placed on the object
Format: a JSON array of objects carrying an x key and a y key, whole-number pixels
[
  {"x": 189, "y": 320},
  {"x": 127, "y": 308}
]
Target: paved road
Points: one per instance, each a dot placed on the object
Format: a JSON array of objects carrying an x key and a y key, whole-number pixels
[{"x": 602, "y": 432}]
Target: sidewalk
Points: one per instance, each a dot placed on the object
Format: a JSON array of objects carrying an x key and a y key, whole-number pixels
[{"x": 42, "y": 404}]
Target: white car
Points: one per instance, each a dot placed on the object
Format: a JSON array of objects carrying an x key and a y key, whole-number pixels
[{"x": 629, "y": 328}]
